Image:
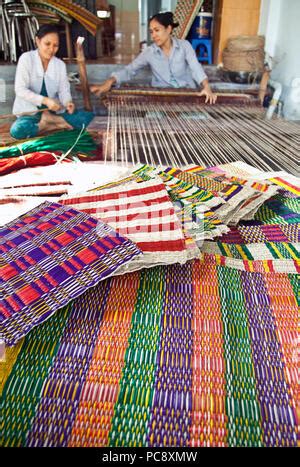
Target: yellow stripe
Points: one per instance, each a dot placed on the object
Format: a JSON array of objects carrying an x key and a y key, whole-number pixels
[
  {"x": 242, "y": 253},
  {"x": 287, "y": 187},
  {"x": 292, "y": 253},
  {"x": 232, "y": 189},
  {"x": 277, "y": 251},
  {"x": 218, "y": 259},
  {"x": 227, "y": 249}
]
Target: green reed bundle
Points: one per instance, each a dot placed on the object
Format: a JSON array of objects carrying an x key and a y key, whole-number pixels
[{"x": 61, "y": 141}]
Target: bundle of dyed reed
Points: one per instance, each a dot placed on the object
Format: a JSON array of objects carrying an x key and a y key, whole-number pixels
[{"x": 61, "y": 141}]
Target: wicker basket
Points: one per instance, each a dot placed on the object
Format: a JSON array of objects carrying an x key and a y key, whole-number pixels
[
  {"x": 252, "y": 60},
  {"x": 245, "y": 43}
]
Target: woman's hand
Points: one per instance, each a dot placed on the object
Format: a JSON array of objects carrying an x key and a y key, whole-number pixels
[
  {"x": 103, "y": 88},
  {"x": 52, "y": 104},
  {"x": 70, "y": 107},
  {"x": 207, "y": 92},
  {"x": 209, "y": 95}
]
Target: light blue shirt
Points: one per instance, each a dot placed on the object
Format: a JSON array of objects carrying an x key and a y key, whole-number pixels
[{"x": 180, "y": 69}]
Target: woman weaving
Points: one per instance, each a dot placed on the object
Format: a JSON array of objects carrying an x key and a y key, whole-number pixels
[
  {"x": 173, "y": 62},
  {"x": 41, "y": 82}
]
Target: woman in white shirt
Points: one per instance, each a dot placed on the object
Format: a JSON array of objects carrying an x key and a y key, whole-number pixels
[
  {"x": 41, "y": 82},
  {"x": 173, "y": 62}
]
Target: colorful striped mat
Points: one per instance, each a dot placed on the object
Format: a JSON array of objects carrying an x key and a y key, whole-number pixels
[
  {"x": 276, "y": 222},
  {"x": 273, "y": 235},
  {"x": 192, "y": 355},
  {"x": 293, "y": 188},
  {"x": 255, "y": 251},
  {"x": 256, "y": 232},
  {"x": 200, "y": 354},
  {"x": 193, "y": 205},
  {"x": 49, "y": 256},
  {"x": 283, "y": 179},
  {"x": 243, "y": 196},
  {"x": 281, "y": 209},
  {"x": 144, "y": 213}
]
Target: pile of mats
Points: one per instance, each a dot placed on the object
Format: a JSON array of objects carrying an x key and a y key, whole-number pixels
[{"x": 183, "y": 335}]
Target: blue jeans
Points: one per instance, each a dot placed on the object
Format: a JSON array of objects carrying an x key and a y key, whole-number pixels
[{"x": 28, "y": 125}]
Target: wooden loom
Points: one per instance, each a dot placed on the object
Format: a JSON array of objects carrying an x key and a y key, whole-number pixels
[{"x": 175, "y": 127}]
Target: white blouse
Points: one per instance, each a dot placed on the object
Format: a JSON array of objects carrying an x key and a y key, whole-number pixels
[{"x": 29, "y": 80}]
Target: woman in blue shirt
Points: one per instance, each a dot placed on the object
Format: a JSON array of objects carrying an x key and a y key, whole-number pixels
[
  {"x": 42, "y": 82},
  {"x": 173, "y": 62}
]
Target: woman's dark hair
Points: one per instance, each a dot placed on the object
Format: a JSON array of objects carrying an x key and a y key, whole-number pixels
[
  {"x": 46, "y": 29},
  {"x": 165, "y": 19}
]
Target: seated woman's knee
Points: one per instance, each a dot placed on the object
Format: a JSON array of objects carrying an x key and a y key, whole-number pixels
[{"x": 23, "y": 129}]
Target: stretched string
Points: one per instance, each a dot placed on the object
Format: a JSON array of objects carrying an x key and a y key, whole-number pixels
[{"x": 158, "y": 133}]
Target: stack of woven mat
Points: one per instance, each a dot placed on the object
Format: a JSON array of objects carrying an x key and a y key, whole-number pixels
[{"x": 159, "y": 309}]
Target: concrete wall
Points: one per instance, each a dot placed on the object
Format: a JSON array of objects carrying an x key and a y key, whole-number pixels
[
  {"x": 168, "y": 5},
  {"x": 127, "y": 26},
  {"x": 270, "y": 13},
  {"x": 238, "y": 17},
  {"x": 280, "y": 23}
]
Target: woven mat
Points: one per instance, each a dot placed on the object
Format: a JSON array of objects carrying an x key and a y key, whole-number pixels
[
  {"x": 193, "y": 355},
  {"x": 272, "y": 236},
  {"x": 243, "y": 197},
  {"x": 185, "y": 13},
  {"x": 193, "y": 205},
  {"x": 49, "y": 256},
  {"x": 283, "y": 179},
  {"x": 144, "y": 213},
  {"x": 203, "y": 354},
  {"x": 5, "y": 138}
]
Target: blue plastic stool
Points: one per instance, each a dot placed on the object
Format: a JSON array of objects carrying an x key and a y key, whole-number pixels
[{"x": 206, "y": 47}]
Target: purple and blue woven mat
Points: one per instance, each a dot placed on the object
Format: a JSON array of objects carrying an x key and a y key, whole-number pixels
[{"x": 50, "y": 256}]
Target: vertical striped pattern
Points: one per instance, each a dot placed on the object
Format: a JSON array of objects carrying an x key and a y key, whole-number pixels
[
  {"x": 133, "y": 408},
  {"x": 272, "y": 389},
  {"x": 60, "y": 396},
  {"x": 172, "y": 406},
  {"x": 242, "y": 406},
  {"x": 209, "y": 420},
  {"x": 193, "y": 355},
  {"x": 101, "y": 389},
  {"x": 283, "y": 291},
  {"x": 25, "y": 385}
]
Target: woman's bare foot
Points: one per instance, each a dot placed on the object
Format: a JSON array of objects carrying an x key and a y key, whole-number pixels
[{"x": 51, "y": 122}]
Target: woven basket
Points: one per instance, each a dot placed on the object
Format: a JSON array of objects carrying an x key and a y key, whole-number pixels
[
  {"x": 245, "y": 43},
  {"x": 244, "y": 61}
]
